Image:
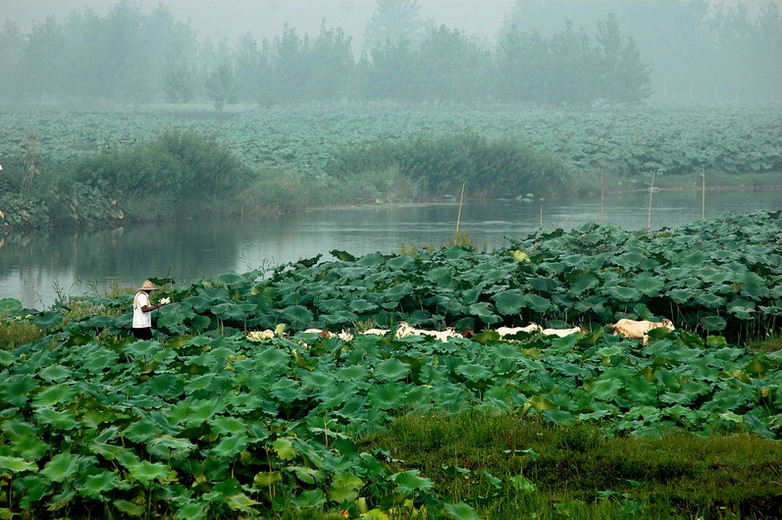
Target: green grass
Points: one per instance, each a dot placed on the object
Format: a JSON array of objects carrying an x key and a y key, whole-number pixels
[
  {"x": 578, "y": 472},
  {"x": 17, "y": 332}
]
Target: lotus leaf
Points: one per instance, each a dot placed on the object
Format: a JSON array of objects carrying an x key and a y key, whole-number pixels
[
  {"x": 713, "y": 323},
  {"x": 47, "y": 319},
  {"x": 344, "y": 487},
  {"x": 17, "y": 465},
  {"x": 509, "y": 302},
  {"x": 409, "y": 482},
  {"x": 129, "y": 508},
  {"x": 391, "y": 370}
]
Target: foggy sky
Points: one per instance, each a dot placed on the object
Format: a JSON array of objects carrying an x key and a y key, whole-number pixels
[{"x": 265, "y": 18}]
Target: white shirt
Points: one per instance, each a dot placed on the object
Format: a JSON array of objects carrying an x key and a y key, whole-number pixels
[{"x": 141, "y": 319}]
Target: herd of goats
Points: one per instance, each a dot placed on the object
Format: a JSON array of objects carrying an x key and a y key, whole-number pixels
[{"x": 632, "y": 329}]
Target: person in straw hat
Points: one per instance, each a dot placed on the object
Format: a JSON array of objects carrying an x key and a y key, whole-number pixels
[{"x": 142, "y": 310}]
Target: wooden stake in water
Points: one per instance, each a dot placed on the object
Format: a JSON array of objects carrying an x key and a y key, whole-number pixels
[
  {"x": 602, "y": 199},
  {"x": 459, "y": 214},
  {"x": 649, "y": 211},
  {"x": 541, "y": 216},
  {"x": 703, "y": 193}
]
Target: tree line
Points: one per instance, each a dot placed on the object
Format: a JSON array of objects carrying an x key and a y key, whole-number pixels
[{"x": 132, "y": 56}]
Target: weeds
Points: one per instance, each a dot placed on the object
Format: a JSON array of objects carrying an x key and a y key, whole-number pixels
[{"x": 515, "y": 467}]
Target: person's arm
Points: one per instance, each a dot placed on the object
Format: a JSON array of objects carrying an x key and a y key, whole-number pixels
[{"x": 148, "y": 308}]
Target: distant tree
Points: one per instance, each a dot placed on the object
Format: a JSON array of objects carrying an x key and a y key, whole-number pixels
[
  {"x": 253, "y": 69},
  {"x": 388, "y": 74},
  {"x": 520, "y": 71},
  {"x": 622, "y": 75},
  {"x": 291, "y": 66},
  {"x": 222, "y": 87},
  {"x": 11, "y": 45},
  {"x": 331, "y": 65},
  {"x": 451, "y": 66},
  {"x": 43, "y": 56},
  {"x": 570, "y": 71},
  {"x": 393, "y": 21}
]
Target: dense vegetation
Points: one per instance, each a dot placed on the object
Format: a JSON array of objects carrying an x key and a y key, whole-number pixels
[
  {"x": 134, "y": 56},
  {"x": 56, "y": 165},
  {"x": 204, "y": 422}
]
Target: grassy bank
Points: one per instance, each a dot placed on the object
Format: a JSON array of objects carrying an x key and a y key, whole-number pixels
[{"x": 517, "y": 467}]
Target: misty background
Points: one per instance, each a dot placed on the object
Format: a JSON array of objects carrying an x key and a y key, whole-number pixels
[{"x": 272, "y": 51}]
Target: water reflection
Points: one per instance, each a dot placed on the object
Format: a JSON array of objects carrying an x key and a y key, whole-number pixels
[{"x": 34, "y": 267}]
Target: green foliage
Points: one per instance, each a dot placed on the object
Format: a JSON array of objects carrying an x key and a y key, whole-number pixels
[
  {"x": 203, "y": 421},
  {"x": 180, "y": 173},
  {"x": 441, "y": 165},
  {"x": 514, "y": 466}
]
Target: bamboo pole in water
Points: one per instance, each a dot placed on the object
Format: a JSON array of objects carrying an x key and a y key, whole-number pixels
[
  {"x": 703, "y": 193},
  {"x": 649, "y": 210},
  {"x": 459, "y": 214},
  {"x": 602, "y": 198}
]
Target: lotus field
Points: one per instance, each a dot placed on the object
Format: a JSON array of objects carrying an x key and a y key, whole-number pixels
[
  {"x": 203, "y": 422},
  {"x": 669, "y": 140}
]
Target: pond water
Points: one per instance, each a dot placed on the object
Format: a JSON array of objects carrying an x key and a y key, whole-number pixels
[{"x": 37, "y": 268}]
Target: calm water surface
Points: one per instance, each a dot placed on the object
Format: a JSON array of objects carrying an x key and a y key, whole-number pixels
[{"x": 36, "y": 268}]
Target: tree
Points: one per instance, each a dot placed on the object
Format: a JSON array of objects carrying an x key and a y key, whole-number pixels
[
  {"x": 11, "y": 45},
  {"x": 222, "y": 87},
  {"x": 393, "y": 21},
  {"x": 622, "y": 75}
]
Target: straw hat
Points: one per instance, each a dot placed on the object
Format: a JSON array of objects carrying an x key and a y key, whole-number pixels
[{"x": 147, "y": 286}]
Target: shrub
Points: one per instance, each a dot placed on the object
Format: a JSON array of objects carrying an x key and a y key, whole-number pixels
[
  {"x": 180, "y": 173},
  {"x": 441, "y": 165}
]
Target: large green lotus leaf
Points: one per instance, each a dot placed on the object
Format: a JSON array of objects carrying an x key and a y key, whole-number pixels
[
  {"x": 755, "y": 291},
  {"x": 345, "y": 487},
  {"x": 401, "y": 262},
  {"x": 10, "y": 307},
  {"x": 129, "y": 508},
  {"x": 145, "y": 471},
  {"x": 623, "y": 294},
  {"x": 97, "y": 485},
  {"x": 15, "y": 389},
  {"x": 386, "y": 396},
  {"x": 649, "y": 285},
  {"x": 284, "y": 448},
  {"x": 47, "y": 319},
  {"x": 409, "y": 482},
  {"x": 287, "y": 390},
  {"x": 640, "y": 390},
  {"x": 298, "y": 316},
  {"x": 141, "y": 430},
  {"x": 537, "y": 303},
  {"x": 17, "y": 464},
  {"x": 353, "y": 373},
  {"x": 6, "y": 358},
  {"x": 741, "y": 312},
  {"x": 62, "y": 466},
  {"x": 55, "y": 372},
  {"x": 581, "y": 281},
  {"x": 442, "y": 277},
  {"x": 29, "y": 447},
  {"x": 397, "y": 292},
  {"x": 225, "y": 425},
  {"x": 143, "y": 349},
  {"x": 606, "y": 389},
  {"x": 193, "y": 511},
  {"x": 230, "y": 278},
  {"x": 546, "y": 285},
  {"x": 695, "y": 259},
  {"x": 53, "y": 395},
  {"x": 362, "y": 306},
  {"x": 214, "y": 294},
  {"x": 308, "y": 475},
  {"x": 241, "y": 502},
  {"x": 391, "y": 370},
  {"x": 168, "y": 447},
  {"x": 681, "y": 296},
  {"x": 509, "y": 302},
  {"x": 713, "y": 323},
  {"x": 559, "y": 417},
  {"x": 485, "y": 311},
  {"x": 474, "y": 372},
  {"x": 231, "y": 445}
]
